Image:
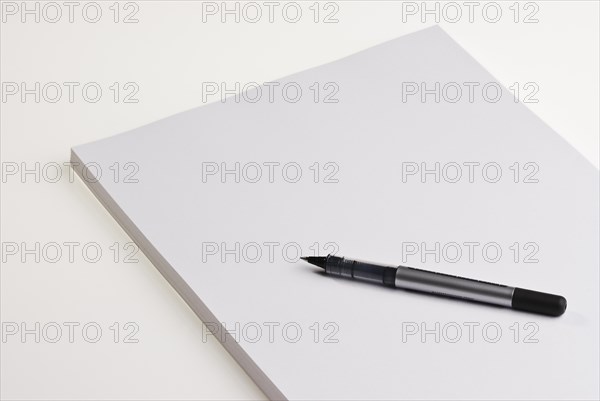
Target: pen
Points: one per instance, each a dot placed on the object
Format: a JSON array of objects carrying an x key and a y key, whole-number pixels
[{"x": 443, "y": 284}]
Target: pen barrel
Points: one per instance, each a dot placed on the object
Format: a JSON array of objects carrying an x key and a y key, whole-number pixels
[{"x": 453, "y": 286}]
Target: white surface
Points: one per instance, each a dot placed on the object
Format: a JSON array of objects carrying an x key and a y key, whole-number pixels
[{"x": 565, "y": 41}]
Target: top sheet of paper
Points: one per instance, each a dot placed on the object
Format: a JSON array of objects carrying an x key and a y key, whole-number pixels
[{"x": 232, "y": 193}]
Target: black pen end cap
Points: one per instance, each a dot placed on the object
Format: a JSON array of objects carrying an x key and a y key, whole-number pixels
[{"x": 538, "y": 302}]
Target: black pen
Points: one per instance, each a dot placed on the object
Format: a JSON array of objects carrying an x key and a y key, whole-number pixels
[{"x": 443, "y": 284}]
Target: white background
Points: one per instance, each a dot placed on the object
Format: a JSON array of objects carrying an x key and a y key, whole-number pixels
[{"x": 168, "y": 54}]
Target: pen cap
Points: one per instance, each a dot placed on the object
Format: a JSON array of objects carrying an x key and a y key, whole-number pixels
[{"x": 538, "y": 302}]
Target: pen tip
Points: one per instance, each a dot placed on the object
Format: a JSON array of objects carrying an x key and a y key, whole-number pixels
[{"x": 320, "y": 261}]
